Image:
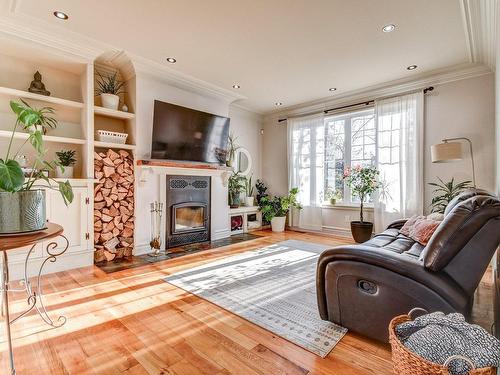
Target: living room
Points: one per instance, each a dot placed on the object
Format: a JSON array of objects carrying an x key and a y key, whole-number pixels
[{"x": 249, "y": 187}]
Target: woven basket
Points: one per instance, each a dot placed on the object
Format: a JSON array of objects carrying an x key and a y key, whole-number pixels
[
  {"x": 407, "y": 363},
  {"x": 111, "y": 137}
]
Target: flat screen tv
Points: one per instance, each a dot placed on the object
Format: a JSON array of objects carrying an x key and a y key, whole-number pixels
[{"x": 181, "y": 133}]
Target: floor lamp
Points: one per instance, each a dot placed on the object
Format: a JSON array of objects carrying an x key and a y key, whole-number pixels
[{"x": 452, "y": 151}]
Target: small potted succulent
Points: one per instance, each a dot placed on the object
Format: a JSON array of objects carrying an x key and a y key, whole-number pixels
[
  {"x": 65, "y": 163},
  {"x": 249, "y": 199},
  {"x": 333, "y": 196},
  {"x": 276, "y": 209},
  {"x": 109, "y": 88},
  {"x": 363, "y": 182},
  {"x": 236, "y": 185},
  {"x": 19, "y": 195}
]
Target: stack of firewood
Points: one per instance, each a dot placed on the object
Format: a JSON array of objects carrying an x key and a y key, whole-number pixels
[{"x": 113, "y": 205}]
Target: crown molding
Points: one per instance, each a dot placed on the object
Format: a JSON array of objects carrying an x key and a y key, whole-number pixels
[
  {"x": 479, "y": 19},
  {"x": 396, "y": 87}
]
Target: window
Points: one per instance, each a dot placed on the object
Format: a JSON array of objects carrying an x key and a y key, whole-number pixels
[{"x": 350, "y": 140}]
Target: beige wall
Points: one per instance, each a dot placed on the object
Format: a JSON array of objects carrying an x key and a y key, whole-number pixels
[{"x": 463, "y": 108}]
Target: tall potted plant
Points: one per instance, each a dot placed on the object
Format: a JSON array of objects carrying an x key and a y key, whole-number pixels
[
  {"x": 249, "y": 192},
  {"x": 363, "y": 181},
  {"x": 236, "y": 185},
  {"x": 261, "y": 190},
  {"x": 109, "y": 88},
  {"x": 231, "y": 149},
  {"x": 444, "y": 192},
  {"x": 19, "y": 195},
  {"x": 276, "y": 209}
]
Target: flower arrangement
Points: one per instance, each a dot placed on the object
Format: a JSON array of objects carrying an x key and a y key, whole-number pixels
[{"x": 363, "y": 181}]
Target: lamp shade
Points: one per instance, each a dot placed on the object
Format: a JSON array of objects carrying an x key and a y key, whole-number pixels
[{"x": 446, "y": 151}]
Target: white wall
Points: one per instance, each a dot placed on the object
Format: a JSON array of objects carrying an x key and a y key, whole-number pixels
[{"x": 461, "y": 108}]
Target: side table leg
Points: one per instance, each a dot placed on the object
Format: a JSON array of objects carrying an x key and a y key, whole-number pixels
[{"x": 5, "y": 307}]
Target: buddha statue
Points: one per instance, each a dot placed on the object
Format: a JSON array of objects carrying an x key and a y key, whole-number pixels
[{"x": 37, "y": 86}]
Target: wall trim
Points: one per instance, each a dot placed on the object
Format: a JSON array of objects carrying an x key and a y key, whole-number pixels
[
  {"x": 396, "y": 87},
  {"x": 337, "y": 231}
]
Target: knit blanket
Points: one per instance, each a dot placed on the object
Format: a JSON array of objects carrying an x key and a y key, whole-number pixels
[{"x": 437, "y": 336}]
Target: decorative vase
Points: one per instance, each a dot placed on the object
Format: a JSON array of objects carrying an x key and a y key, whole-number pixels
[
  {"x": 234, "y": 200},
  {"x": 278, "y": 223},
  {"x": 68, "y": 172},
  {"x": 361, "y": 231},
  {"x": 26, "y": 211},
  {"x": 333, "y": 201},
  {"x": 249, "y": 201},
  {"x": 110, "y": 101}
]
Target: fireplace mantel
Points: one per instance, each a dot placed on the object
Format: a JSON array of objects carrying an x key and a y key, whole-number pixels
[{"x": 181, "y": 164}]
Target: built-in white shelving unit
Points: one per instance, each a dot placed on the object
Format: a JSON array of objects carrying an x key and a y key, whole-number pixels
[
  {"x": 14, "y": 93},
  {"x": 46, "y": 138},
  {"x": 113, "y": 113},
  {"x": 99, "y": 144}
]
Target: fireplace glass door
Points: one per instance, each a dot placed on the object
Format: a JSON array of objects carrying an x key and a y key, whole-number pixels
[{"x": 189, "y": 217}]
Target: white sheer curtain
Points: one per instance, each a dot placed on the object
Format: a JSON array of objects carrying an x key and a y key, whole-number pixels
[
  {"x": 305, "y": 168},
  {"x": 400, "y": 158}
]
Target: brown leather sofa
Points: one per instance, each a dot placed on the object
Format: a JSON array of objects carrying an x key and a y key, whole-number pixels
[{"x": 362, "y": 287}]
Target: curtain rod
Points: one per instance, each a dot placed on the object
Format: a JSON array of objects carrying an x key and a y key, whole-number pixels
[{"x": 368, "y": 102}]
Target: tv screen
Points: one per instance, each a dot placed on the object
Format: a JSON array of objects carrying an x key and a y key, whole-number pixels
[{"x": 181, "y": 133}]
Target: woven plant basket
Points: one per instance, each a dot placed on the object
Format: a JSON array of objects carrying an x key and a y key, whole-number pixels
[{"x": 407, "y": 363}]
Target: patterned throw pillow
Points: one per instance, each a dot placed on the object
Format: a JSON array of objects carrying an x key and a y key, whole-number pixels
[
  {"x": 419, "y": 228},
  {"x": 409, "y": 224}
]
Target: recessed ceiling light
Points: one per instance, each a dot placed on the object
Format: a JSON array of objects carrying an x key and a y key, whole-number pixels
[
  {"x": 235, "y": 86},
  {"x": 332, "y": 89},
  {"x": 171, "y": 60},
  {"x": 278, "y": 104},
  {"x": 61, "y": 15},
  {"x": 411, "y": 67},
  {"x": 388, "y": 28}
]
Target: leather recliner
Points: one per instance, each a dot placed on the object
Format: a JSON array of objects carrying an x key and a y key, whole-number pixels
[{"x": 362, "y": 287}]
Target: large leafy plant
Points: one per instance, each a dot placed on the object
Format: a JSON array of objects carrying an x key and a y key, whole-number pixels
[
  {"x": 109, "y": 85},
  {"x": 444, "y": 192},
  {"x": 363, "y": 181},
  {"x": 279, "y": 206},
  {"x": 34, "y": 122}
]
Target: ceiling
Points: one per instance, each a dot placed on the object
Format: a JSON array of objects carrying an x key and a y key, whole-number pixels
[{"x": 289, "y": 51}]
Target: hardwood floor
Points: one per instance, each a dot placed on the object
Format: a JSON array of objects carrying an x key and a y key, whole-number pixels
[{"x": 132, "y": 322}]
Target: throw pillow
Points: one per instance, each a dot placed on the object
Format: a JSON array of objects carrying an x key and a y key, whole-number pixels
[
  {"x": 409, "y": 224},
  {"x": 423, "y": 229},
  {"x": 436, "y": 216}
]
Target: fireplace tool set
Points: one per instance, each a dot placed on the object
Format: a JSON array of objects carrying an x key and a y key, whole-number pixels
[{"x": 156, "y": 215}]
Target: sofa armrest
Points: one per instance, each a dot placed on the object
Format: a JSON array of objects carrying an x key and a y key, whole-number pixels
[
  {"x": 403, "y": 265},
  {"x": 397, "y": 224}
]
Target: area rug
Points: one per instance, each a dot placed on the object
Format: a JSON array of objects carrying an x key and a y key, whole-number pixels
[{"x": 273, "y": 287}]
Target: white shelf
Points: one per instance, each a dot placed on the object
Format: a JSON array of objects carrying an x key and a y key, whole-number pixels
[
  {"x": 113, "y": 113},
  {"x": 46, "y": 138},
  {"x": 47, "y": 99},
  {"x": 113, "y": 145}
]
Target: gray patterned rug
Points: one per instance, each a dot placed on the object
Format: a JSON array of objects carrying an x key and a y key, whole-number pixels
[{"x": 273, "y": 287}]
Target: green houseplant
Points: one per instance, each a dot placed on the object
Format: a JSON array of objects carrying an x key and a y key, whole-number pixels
[
  {"x": 66, "y": 160},
  {"x": 444, "y": 192},
  {"x": 236, "y": 185},
  {"x": 332, "y": 196},
  {"x": 231, "y": 149},
  {"x": 261, "y": 190},
  {"x": 18, "y": 193},
  {"x": 363, "y": 181},
  {"x": 249, "y": 199},
  {"x": 275, "y": 209},
  {"x": 109, "y": 88}
]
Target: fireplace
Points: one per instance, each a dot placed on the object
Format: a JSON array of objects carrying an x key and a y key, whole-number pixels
[{"x": 188, "y": 210}]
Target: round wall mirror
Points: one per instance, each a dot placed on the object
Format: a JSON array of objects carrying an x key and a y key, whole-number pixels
[{"x": 242, "y": 161}]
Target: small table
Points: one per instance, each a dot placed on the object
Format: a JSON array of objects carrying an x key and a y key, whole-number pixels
[{"x": 34, "y": 296}]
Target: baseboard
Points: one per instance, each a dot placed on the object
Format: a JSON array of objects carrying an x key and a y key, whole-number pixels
[
  {"x": 65, "y": 262},
  {"x": 221, "y": 233}
]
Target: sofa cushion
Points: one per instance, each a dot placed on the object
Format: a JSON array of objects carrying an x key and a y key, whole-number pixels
[{"x": 394, "y": 241}]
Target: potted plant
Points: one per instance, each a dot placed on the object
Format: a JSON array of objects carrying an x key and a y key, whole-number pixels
[
  {"x": 231, "y": 151},
  {"x": 65, "y": 163},
  {"x": 19, "y": 196},
  {"x": 261, "y": 190},
  {"x": 249, "y": 192},
  {"x": 445, "y": 192},
  {"x": 276, "y": 209},
  {"x": 236, "y": 185},
  {"x": 109, "y": 89},
  {"x": 332, "y": 196},
  {"x": 363, "y": 182}
]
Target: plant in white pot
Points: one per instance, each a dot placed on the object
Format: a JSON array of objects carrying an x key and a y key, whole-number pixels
[
  {"x": 275, "y": 209},
  {"x": 20, "y": 197},
  {"x": 65, "y": 164},
  {"x": 236, "y": 185},
  {"x": 109, "y": 88},
  {"x": 249, "y": 199},
  {"x": 363, "y": 182}
]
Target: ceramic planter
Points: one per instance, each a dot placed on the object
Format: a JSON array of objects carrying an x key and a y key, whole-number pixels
[
  {"x": 249, "y": 201},
  {"x": 26, "y": 211},
  {"x": 361, "y": 231},
  {"x": 278, "y": 223},
  {"x": 110, "y": 101},
  {"x": 234, "y": 200},
  {"x": 68, "y": 172}
]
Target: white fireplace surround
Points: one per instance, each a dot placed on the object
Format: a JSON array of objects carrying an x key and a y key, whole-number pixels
[{"x": 152, "y": 186}]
